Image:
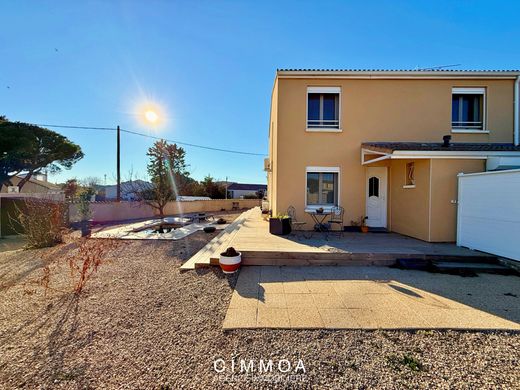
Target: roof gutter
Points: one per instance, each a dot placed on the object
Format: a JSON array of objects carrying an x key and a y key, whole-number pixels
[
  {"x": 516, "y": 129},
  {"x": 385, "y": 74}
]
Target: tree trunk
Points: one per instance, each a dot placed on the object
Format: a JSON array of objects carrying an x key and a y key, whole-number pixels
[
  {"x": 161, "y": 211},
  {"x": 24, "y": 180}
]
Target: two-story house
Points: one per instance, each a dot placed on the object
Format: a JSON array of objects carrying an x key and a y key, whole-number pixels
[{"x": 375, "y": 143}]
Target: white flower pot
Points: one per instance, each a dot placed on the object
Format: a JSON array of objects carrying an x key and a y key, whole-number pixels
[{"x": 230, "y": 265}]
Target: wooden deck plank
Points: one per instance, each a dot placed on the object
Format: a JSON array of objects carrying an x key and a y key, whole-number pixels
[
  {"x": 249, "y": 234},
  {"x": 203, "y": 257}
]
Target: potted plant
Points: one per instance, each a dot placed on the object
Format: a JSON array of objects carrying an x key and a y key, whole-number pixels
[
  {"x": 355, "y": 226},
  {"x": 280, "y": 225},
  {"x": 364, "y": 227},
  {"x": 230, "y": 260}
]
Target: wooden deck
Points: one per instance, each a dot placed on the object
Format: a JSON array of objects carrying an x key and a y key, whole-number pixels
[{"x": 249, "y": 234}]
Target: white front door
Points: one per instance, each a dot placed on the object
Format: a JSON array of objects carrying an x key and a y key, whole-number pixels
[{"x": 376, "y": 196}]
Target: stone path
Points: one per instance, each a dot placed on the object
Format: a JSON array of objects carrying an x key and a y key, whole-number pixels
[{"x": 371, "y": 298}]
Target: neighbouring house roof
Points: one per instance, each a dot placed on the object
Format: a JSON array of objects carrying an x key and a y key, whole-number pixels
[
  {"x": 390, "y": 147},
  {"x": 44, "y": 184},
  {"x": 246, "y": 187},
  {"x": 400, "y": 73},
  {"x": 127, "y": 187}
]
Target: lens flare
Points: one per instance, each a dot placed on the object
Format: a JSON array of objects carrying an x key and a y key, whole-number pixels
[{"x": 151, "y": 116}]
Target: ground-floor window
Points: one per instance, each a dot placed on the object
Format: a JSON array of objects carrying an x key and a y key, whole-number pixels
[{"x": 322, "y": 187}]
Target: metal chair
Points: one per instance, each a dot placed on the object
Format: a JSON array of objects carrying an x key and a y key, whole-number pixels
[
  {"x": 296, "y": 225},
  {"x": 337, "y": 219}
]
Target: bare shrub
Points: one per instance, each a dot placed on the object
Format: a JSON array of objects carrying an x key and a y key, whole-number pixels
[
  {"x": 42, "y": 221},
  {"x": 90, "y": 255},
  {"x": 83, "y": 258}
]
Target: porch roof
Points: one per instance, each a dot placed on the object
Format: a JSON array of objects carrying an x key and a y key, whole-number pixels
[
  {"x": 407, "y": 150},
  {"x": 390, "y": 147}
]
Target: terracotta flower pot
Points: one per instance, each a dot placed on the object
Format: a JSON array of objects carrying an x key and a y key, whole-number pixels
[
  {"x": 230, "y": 264},
  {"x": 364, "y": 229}
]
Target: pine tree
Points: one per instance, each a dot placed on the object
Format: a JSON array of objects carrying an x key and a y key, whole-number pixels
[{"x": 168, "y": 172}]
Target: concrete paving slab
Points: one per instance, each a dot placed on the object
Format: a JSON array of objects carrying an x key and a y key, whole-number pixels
[
  {"x": 320, "y": 287},
  {"x": 301, "y": 301},
  {"x": 251, "y": 274},
  {"x": 338, "y": 319},
  {"x": 270, "y": 274},
  {"x": 271, "y": 287},
  {"x": 296, "y": 297},
  {"x": 296, "y": 287},
  {"x": 361, "y": 287},
  {"x": 272, "y": 318},
  {"x": 276, "y": 301},
  {"x": 309, "y": 318},
  {"x": 240, "y": 318},
  {"x": 239, "y": 302},
  {"x": 328, "y": 301}
]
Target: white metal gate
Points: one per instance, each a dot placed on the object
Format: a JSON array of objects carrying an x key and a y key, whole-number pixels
[{"x": 488, "y": 217}]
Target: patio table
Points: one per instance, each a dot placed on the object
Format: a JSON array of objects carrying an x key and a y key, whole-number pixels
[{"x": 319, "y": 219}]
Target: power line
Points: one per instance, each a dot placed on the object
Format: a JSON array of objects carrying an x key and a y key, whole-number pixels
[
  {"x": 193, "y": 145},
  {"x": 77, "y": 127},
  {"x": 153, "y": 137}
]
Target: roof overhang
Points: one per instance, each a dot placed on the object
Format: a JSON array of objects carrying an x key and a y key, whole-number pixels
[
  {"x": 434, "y": 154},
  {"x": 398, "y": 74}
]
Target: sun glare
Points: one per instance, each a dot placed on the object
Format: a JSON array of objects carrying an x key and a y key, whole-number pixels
[{"x": 151, "y": 116}]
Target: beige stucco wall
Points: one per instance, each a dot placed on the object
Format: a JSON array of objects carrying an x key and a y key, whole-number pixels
[
  {"x": 409, "y": 207},
  {"x": 443, "y": 225},
  {"x": 121, "y": 211},
  {"x": 371, "y": 110},
  {"x": 273, "y": 150}
]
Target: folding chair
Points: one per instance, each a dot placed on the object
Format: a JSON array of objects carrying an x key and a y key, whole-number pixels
[
  {"x": 337, "y": 219},
  {"x": 297, "y": 226}
]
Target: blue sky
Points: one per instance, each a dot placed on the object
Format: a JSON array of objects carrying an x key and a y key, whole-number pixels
[{"x": 211, "y": 65}]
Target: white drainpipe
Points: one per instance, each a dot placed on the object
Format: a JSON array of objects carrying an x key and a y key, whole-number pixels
[{"x": 516, "y": 109}]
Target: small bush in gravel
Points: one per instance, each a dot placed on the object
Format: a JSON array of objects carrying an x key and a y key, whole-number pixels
[
  {"x": 407, "y": 360},
  {"x": 91, "y": 254},
  {"x": 42, "y": 221}
]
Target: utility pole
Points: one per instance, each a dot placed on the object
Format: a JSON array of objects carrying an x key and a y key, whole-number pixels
[
  {"x": 118, "y": 196},
  {"x": 226, "y": 187}
]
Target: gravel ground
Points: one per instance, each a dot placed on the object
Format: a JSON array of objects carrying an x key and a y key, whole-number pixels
[{"x": 140, "y": 323}]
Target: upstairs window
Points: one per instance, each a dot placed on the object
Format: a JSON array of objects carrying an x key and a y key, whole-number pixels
[
  {"x": 323, "y": 108},
  {"x": 467, "y": 108}
]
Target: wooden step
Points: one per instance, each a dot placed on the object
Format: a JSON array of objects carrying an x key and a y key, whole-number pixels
[{"x": 203, "y": 257}]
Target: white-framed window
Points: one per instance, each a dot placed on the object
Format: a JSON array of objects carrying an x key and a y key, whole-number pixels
[
  {"x": 409, "y": 181},
  {"x": 323, "y": 108},
  {"x": 468, "y": 108},
  {"x": 322, "y": 186}
]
